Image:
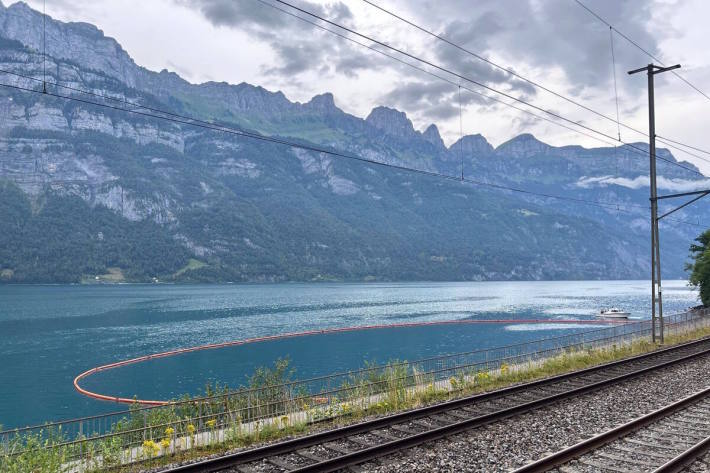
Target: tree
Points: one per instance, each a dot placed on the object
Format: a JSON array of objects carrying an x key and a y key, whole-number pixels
[{"x": 700, "y": 268}]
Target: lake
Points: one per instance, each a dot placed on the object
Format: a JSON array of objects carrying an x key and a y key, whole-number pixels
[{"x": 52, "y": 333}]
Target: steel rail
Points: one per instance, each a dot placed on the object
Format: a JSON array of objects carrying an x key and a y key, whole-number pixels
[
  {"x": 594, "y": 443},
  {"x": 685, "y": 459},
  {"x": 345, "y": 460}
]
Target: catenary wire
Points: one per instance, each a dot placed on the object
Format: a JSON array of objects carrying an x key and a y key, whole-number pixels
[
  {"x": 663, "y": 139},
  {"x": 647, "y": 53},
  {"x": 488, "y": 97},
  {"x": 525, "y": 79},
  {"x": 496, "y": 65},
  {"x": 613, "y": 74},
  {"x": 156, "y": 110},
  {"x": 211, "y": 125},
  {"x": 203, "y": 124},
  {"x": 442, "y": 78},
  {"x": 473, "y": 81}
]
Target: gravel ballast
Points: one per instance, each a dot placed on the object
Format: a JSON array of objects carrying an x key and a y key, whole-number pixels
[{"x": 511, "y": 443}]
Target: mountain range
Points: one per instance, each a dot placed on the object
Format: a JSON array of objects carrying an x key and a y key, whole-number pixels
[{"x": 94, "y": 193}]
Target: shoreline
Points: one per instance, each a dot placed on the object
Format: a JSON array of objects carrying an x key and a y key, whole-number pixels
[{"x": 320, "y": 282}]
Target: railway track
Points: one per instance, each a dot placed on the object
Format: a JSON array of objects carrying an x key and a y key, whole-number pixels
[
  {"x": 343, "y": 447},
  {"x": 668, "y": 440}
]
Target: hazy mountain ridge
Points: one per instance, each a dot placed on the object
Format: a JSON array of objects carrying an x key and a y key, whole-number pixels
[{"x": 243, "y": 209}]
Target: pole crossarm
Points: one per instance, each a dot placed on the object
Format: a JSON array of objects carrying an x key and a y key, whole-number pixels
[
  {"x": 653, "y": 69},
  {"x": 658, "y": 69},
  {"x": 683, "y": 194},
  {"x": 640, "y": 69},
  {"x": 700, "y": 196}
]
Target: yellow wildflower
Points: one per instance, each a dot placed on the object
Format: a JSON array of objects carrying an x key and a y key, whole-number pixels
[
  {"x": 165, "y": 443},
  {"x": 211, "y": 423},
  {"x": 150, "y": 447},
  {"x": 190, "y": 429},
  {"x": 169, "y": 431}
]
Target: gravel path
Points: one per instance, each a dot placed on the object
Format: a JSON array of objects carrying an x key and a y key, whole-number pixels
[{"x": 514, "y": 442}]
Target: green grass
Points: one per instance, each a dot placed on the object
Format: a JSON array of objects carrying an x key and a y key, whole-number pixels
[
  {"x": 112, "y": 275},
  {"x": 191, "y": 265}
]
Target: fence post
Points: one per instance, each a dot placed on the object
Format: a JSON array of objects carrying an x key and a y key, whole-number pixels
[
  {"x": 199, "y": 416},
  {"x": 81, "y": 442}
]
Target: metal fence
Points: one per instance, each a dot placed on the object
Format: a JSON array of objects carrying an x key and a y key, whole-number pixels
[{"x": 144, "y": 433}]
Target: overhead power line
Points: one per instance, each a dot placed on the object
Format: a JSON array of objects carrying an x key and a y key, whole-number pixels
[
  {"x": 526, "y": 79},
  {"x": 211, "y": 125},
  {"x": 442, "y": 78},
  {"x": 686, "y": 222},
  {"x": 663, "y": 139},
  {"x": 185, "y": 119},
  {"x": 140, "y": 106},
  {"x": 612, "y": 143},
  {"x": 613, "y": 74},
  {"x": 169, "y": 117},
  {"x": 632, "y": 149},
  {"x": 640, "y": 48},
  {"x": 496, "y": 65},
  {"x": 473, "y": 81}
]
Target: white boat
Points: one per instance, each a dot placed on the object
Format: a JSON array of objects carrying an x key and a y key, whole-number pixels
[{"x": 613, "y": 313}]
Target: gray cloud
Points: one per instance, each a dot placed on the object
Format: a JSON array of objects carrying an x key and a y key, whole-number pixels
[
  {"x": 236, "y": 14},
  {"x": 296, "y": 57},
  {"x": 439, "y": 100},
  {"x": 299, "y": 47},
  {"x": 545, "y": 39},
  {"x": 523, "y": 122},
  {"x": 254, "y": 15},
  {"x": 553, "y": 34},
  {"x": 473, "y": 35},
  {"x": 420, "y": 93},
  {"x": 549, "y": 34},
  {"x": 435, "y": 99},
  {"x": 442, "y": 111}
]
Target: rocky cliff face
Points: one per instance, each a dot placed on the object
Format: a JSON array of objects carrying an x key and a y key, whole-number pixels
[
  {"x": 474, "y": 146},
  {"x": 392, "y": 122},
  {"x": 522, "y": 146},
  {"x": 244, "y": 209},
  {"x": 431, "y": 134}
]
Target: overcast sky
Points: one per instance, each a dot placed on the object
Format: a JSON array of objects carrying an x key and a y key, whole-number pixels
[{"x": 553, "y": 42}]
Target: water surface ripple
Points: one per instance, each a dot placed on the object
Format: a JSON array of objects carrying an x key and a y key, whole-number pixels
[{"x": 51, "y": 333}]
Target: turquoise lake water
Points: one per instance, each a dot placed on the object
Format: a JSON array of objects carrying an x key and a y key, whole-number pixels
[{"x": 50, "y": 334}]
